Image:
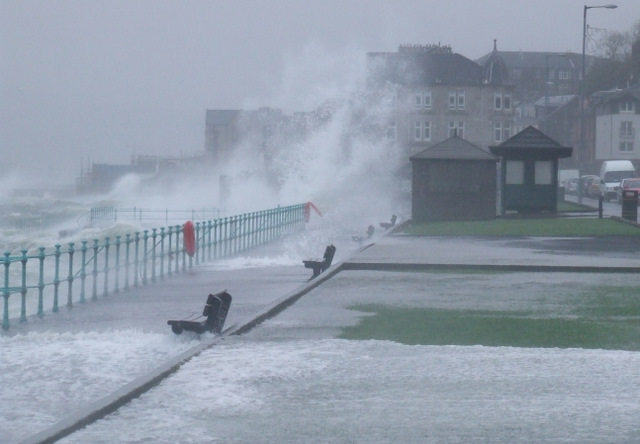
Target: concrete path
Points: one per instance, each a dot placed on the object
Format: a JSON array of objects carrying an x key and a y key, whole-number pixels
[{"x": 609, "y": 253}]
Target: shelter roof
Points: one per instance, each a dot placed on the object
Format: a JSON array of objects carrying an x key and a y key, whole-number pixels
[
  {"x": 531, "y": 139},
  {"x": 454, "y": 148}
]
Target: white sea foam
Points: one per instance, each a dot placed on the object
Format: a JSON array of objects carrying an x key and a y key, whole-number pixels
[
  {"x": 364, "y": 391},
  {"x": 47, "y": 375}
]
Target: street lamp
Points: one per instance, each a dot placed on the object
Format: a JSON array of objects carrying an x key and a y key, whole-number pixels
[{"x": 584, "y": 41}]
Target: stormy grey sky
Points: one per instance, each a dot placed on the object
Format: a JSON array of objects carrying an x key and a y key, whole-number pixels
[{"x": 98, "y": 81}]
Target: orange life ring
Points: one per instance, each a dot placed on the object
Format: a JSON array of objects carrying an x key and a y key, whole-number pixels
[{"x": 189, "y": 234}]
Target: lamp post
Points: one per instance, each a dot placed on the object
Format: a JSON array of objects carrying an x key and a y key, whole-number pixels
[{"x": 584, "y": 41}]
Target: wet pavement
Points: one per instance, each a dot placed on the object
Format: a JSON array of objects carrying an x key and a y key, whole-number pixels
[
  {"x": 564, "y": 253},
  {"x": 262, "y": 292}
]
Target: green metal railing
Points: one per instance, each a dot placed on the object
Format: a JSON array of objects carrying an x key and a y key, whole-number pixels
[
  {"x": 132, "y": 259},
  {"x": 99, "y": 215}
]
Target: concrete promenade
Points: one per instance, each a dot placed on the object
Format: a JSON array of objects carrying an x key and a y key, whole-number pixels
[
  {"x": 262, "y": 292},
  {"x": 606, "y": 254}
]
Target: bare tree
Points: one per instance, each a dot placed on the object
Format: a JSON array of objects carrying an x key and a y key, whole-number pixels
[{"x": 615, "y": 46}]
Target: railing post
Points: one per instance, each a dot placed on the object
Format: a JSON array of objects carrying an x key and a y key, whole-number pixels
[
  {"x": 209, "y": 245},
  {"x": 226, "y": 237},
  {"x": 106, "y": 266},
  {"x": 41, "y": 257},
  {"x": 56, "y": 278},
  {"x": 153, "y": 254},
  {"x": 145, "y": 239},
  {"x": 83, "y": 270},
  {"x": 177, "y": 252},
  {"x": 234, "y": 235},
  {"x": 170, "y": 252},
  {"x": 162, "y": 252},
  {"x": 94, "y": 294},
  {"x": 136, "y": 263},
  {"x": 183, "y": 253},
  {"x": 216, "y": 242},
  {"x": 127, "y": 263},
  {"x": 23, "y": 287},
  {"x": 117, "y": 265},
  {"x": 5, "y": 293},
  {"x": 254, "y": 221},
  {"x": 243, "y": 226},
  {"x": 197, "y": 243},
  {"x": 70, "y": 276}
]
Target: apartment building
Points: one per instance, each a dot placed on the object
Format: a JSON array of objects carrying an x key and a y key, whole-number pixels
[
  {"x": 617, "y": 115},
  {"x": 439, "y": 94}
]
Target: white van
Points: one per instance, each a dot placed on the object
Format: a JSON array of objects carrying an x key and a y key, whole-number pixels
[{"x": 612, "y": 172}]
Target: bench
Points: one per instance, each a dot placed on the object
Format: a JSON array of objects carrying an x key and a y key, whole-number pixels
[
  {"x": 319, "y": 266},
  {"x": 215, "y": 311},
  {"x": 370, "y": 231},
  {"x": 387, "y": 225}
]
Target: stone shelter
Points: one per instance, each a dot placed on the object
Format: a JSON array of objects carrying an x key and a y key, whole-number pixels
[{"x": 453, "y": 180}]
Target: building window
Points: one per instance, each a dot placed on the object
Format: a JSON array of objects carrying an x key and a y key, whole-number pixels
[
  {"x": 422, "y": 100},
  {"x": 497, "y": 100},
  {"x": 456, "y": 127},
  {"x": 543, "y": 172},
  {"x": 392, "y": 130},
  {"x": 426, "y": 133},
  {"x": 421, "y": 131},
  {"x": 506, "y": 102},
  {"x": 515, "y": 172},
  {"x": 626, "y": 106},
  {"x": 626, "y": 147},
  {"x": 506, "y": 130},
  {"x": 626, "y": 130},
  {"x": 460, "y": 99},
  {"x": 497, "y": 131},
  {"x": 456, "y": 100},
  {"x": 563, "y": 75}
]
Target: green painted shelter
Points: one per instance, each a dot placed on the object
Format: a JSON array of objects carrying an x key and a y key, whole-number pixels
[
  {"x": 453, "y": 180},
  {"x": 529, "y": 171}
]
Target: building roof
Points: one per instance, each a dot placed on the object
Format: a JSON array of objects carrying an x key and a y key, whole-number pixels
[
  {"x": 454, "y": 148},
  {"x": 555, "y": 101},
  {"x": 531, "y": 139},
  {"x": 495, "y": 69},
  {"x": 424, "y": 65},
  {"x": 540, "y": 59},
  {"x": 220, "y": 116},
  {"x": 617, "y": 94}
]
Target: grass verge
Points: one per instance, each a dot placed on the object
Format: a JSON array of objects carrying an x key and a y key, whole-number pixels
[
  {"x": 603, "y": 318},
  {"x": 429, "y": 326}
]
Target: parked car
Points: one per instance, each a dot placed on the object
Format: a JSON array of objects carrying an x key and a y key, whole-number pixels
[
  {"x": 627, "y": 184},
  {"x": 586, "y": 184},
  {"x": 592, "y": 187},
  {"x": 571, "y": 186}
]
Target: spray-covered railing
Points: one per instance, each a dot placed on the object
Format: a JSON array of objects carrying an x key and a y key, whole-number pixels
[{"x": 81, "y": 272}]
